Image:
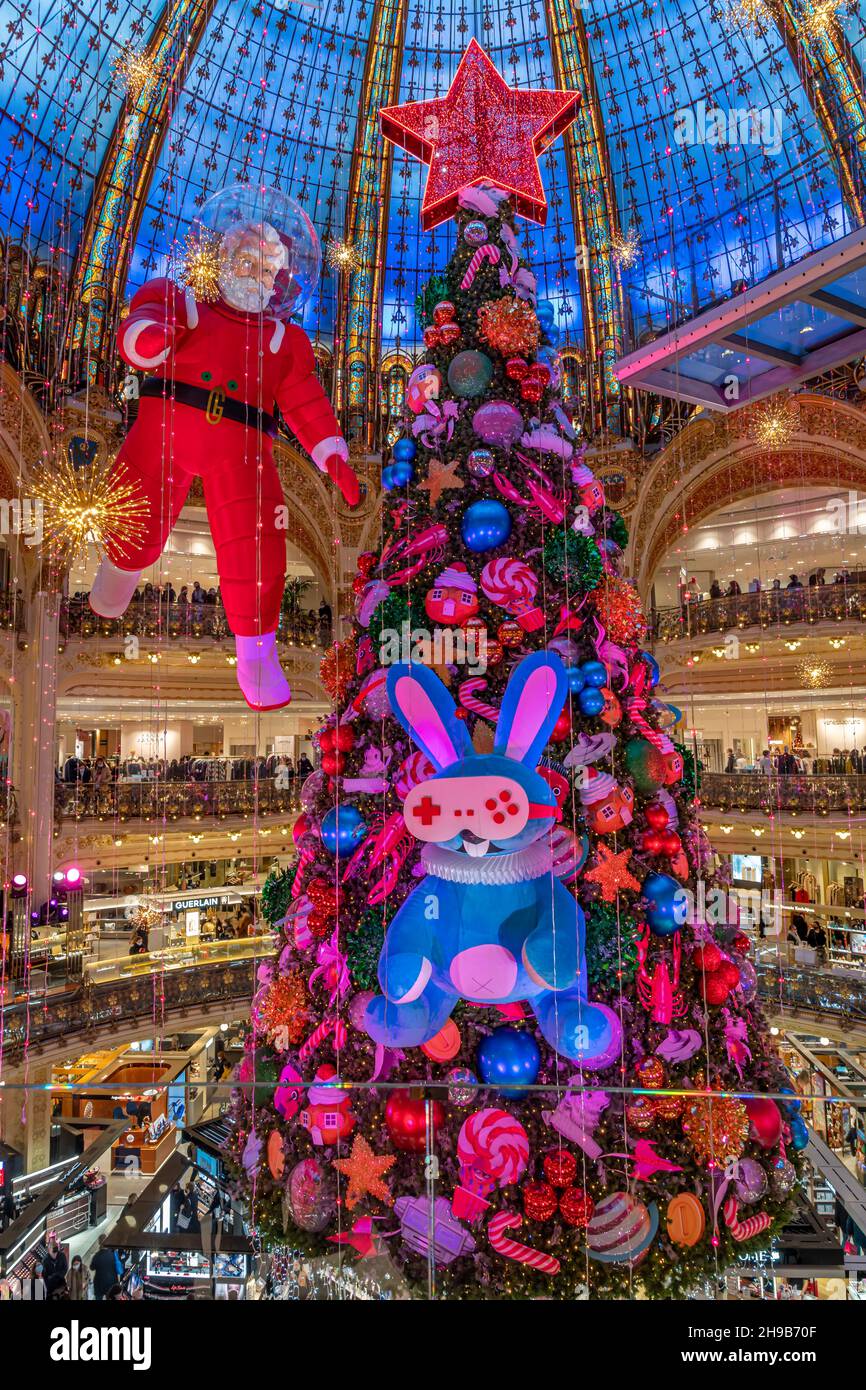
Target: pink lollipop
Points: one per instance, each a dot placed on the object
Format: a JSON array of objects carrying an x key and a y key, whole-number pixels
[
  {"x": 493, "y": 1142},
  {"x": 513, "y": 585},
  {"x": 413, "y": 770}
]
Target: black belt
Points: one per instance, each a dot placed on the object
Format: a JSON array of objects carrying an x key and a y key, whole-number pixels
[{"x": 215, "y": 403}]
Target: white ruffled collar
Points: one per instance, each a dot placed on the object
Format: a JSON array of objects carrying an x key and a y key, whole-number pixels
[{"x": 521, "y": 866}]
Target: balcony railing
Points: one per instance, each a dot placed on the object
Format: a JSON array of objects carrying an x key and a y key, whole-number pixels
[
  {"x": 165, "y": 801},
  {"x": 154, "y": 996},
  {"x": 156, "y": 618},
  {"x": 768, "y": 609},
  {"x": 837, "y": 994},
  {"x": 808, "y": 795}
]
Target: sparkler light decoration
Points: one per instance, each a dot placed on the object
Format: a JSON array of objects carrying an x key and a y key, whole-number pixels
[
  {"x": 814, "y": 673},
  {"x": 773, "y": 423},
  {"x": 94, "y": 506},
  {"x": 625, "y": 249},
  {"x": 198, "y": 264},
  {"x": 747, "y": 14},
  {"x": 134, "y": 71},
  {"x": 342, "y": 255},
  {"x": 819, "y": 19}
]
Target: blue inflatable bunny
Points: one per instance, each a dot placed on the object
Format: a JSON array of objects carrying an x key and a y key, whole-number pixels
[{"x": 490, "y": 922}]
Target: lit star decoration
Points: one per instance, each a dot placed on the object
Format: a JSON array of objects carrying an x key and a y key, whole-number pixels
[
  {"x": 199, "y": 263},
  {"x": 747, "y": 14},
  {"x": 365, "y": 1171},
  {"x": 819, "y": 20},
  {"x": 610, "y": 872},
  {"x": 814, "y": 673},
  {"x": 94, "y": 505},
  {"x": 481, "y": 131},
  {"x": 441, "y": 477}
]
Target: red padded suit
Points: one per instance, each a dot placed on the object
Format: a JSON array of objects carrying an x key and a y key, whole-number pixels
[{"x": 227, "y": 356}]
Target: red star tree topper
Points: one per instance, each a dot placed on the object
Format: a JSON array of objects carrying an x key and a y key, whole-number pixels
[{"x": 481, "y": 132}]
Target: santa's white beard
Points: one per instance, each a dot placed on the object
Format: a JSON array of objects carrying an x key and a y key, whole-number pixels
[{"x": 249, "y": 296}]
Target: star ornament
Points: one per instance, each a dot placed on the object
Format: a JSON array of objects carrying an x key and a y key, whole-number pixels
[
  {"x": 441, "y": 476},
  {"x": 481, "y": 131},
  {"x": 365, "y": 1171},
  {"x": 610, "y": 872}
]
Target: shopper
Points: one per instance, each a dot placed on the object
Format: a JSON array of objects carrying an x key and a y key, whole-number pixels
[
  {"x": 78, "y": 1280},
  {"x": 104, "y": 1268},
  {"x": 55, "y": 1264},
  {"x": 731, "y": 764},
  {"x": 765, "y": 762}
]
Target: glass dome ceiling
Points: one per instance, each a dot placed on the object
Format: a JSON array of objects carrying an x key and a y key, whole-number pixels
[{"x": 287, "y": 93}]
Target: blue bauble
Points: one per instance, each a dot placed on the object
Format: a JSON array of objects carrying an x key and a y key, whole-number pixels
[
  {"x": 343, "y": 829},
  {"x": 666, "y": 904},
  {"x": 594, "y": 673},
  {"x": 397, "y": 475},
  {"x": 799, "y": 1132},
  {"x": 509, "y": 1058},
  {"x": 576, "y": 679},
  {"x": 545, "y": 313},
  {"x": 475, "y": 232},
  {"x": 792, "y": 1106},
  {"x": 405, "y": 450},
  {"x": 485, "y": 525},
  {"x": 590, "y": 700},
  {"x": 551, "y": 334}
]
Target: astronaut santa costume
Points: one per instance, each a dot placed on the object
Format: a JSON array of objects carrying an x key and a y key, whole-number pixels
[{"x": 206, "y": 412}]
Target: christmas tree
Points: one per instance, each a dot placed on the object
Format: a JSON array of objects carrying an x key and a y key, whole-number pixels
[{"x": 495, "y": 1028}]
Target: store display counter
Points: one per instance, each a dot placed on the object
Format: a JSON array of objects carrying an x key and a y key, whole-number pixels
[{"x": 134, "y": 1153}]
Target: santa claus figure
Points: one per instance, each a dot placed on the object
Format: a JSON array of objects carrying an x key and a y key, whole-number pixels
[{"x": 217, "y": 370}]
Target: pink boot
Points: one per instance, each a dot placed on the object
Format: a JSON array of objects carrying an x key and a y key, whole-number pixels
[
  {"x": 260, "y": 675},
  {"x": 112, "y": 590}
]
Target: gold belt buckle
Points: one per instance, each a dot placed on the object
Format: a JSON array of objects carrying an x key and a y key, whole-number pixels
[{"x": 215, "y": 405}]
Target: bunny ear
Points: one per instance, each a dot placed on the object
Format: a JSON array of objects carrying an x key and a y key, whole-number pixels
[
  {"x": 426, "y": 711},
  {"x": 532, "y": 704}
]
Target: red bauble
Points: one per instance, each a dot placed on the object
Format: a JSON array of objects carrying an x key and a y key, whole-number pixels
[
  {"x": 562, "y": 727},
  {"x": 516, "y": 369},
  {"x": 494, "y": 653},
  {"x": 510, "y": 633},
  {"x": 651, "y": 842},
  {"x": 333, "y": 763},
  {"x": 432, "y": 337},
  {"x": 327, "y": 738},
  {"x": 300, "y": 828},
  {"x": 560, "y": 1168},
  {"x": 730, "y": 973},
  {"x": 367, "y": 561},
  {"x": 765, "y": 1121},
  {"x": 344, "y": 737},
  {"x": 656, "y": 816},
  {"x": 671, "y": 844},
  {"x": 540, "y": 373},
  {"x": 576, "y": 1206},
  {"x": 716, "y": 988},
  {"x": 741, "y": 943},
  {"x": 406, "y": 1120},
  {"x": 359, "y": 584},
  {"x": 449, "y": 333},
  {"x": 707, "y": 957},
  {"x": 539, "y": 1201},
  {"x": 531, "y": 391},
  {"x": 322, "y": 894},
  {"x": 443, "y": 312},
  {"x": 320, "y": 924}
]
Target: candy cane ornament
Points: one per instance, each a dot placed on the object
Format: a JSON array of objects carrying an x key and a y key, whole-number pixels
[
  {"x": 487, "y": 252},
  {"x": 466, "y": 696},
  {"x": 318, "y": 1036},
  {"x": 744, "y": 1230},
  {"x": 512, "y": 1249}
]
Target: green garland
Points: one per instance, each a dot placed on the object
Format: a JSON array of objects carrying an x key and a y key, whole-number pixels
[
  {"x": 277, "y": 893},
  {"x": 393, "y": 612},
  {"x": 430, "y": 294},
  {"x": 611, "y": 946},
  {"x": 692, "y": 770},
  {"x": 364, "y": 948},
  {"x": 615, "y": 529},
  {"x": 567, "y": 553}
]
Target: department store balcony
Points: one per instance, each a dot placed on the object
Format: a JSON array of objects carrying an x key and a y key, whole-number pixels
[
  {"x": 166, "y": 803},
  {"x": 764, "y": 611},
  {"x": 801, "y": 794},
  {"x": 155, "y": 619}
]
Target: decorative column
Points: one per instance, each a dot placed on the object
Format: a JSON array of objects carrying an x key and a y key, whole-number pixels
[
  {"x": 121, "y": 189},
  {"x": 34, "y": 712},
  {"x": 593, "y": 202},
  {"x": 833, "y": 81},
  {"x": 358, "y": 356}
]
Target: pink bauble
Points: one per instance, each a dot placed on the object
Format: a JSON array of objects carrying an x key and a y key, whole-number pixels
[
  {"x": 765, "y": 1121},
  {"x": 358, "y": 1007}
]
